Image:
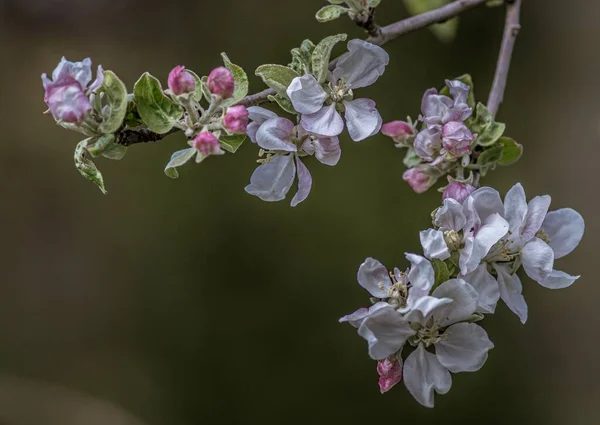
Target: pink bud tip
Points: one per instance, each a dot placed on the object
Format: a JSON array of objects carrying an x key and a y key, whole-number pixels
[
  {"x": 390, "y": 373},
  {"x": 220, "y": 82},
  {"x": 236, "y": 119},
  {"x": 458, "y": 191},
  {"x": 397, "y": 130},
  {"x": 416, "y": 179},
  {"x": 180, "y": 81},
  {"x": 207, "y": 144}
]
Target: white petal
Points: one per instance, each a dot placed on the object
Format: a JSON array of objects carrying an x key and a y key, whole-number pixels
[
  {"x": 363, "y": 65},
  {"x": 251, "y": 131},
  {"x": 355, "y": 319},
  {"x": 374, "y": 277},
  {"x": 304, "y": 183},
  {"x": 464, "y": 349},
  {"x": 477, "y": 247},
  {"x": 565, "y": 229},
  {"x": 486, "y": 286},
  {"x": 511, "y": 291},
  {"x": 423, "y": 373},
  {"x": 421, "y": 274},
  {"x": 450, "y": 216},
  {"x": 275, "y": 134},
  {"x": 458, "y": 90},
  {"x": 306, "y": 94},
  {"x": 325, "y": 122},
  {"x": 472, "y": 220},
  {"x": 515, "y": 208},
  {"x": 362, "y": 119},
  {"x": 434, "y": 245},
  {"x": 386, "y": 331},
  {"x": 272, "y": 181},
  {"x": 558, "y": 280},
  {"x": 538, "y": 259},
  {"x": 420, "y": 309},
  {"x": 327, "y": 150},
  {"x": 536, "y": 213},
  {"x": 464, "y": 302},
  {"x": 260, "y": 115},
  {"x": 434, "y": 107},
  {"x": 486, "y": 202}
]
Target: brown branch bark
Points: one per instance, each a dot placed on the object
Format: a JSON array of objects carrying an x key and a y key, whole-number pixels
[{"x": 511, "y": 30}]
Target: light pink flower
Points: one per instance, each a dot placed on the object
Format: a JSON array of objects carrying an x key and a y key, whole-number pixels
[
  {"x": 416, "y": 179},
  {"x": 221, "y": 82}
]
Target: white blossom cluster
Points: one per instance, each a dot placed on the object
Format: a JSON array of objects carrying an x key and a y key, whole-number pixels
[{"x": 421, "y": 324}]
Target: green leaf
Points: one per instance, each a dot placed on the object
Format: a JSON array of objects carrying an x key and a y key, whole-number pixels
[
  {"x": 490, "y": 156},
  {"x": 284, "y": 103},
  {"x": 466, "y": 79},
  {"x": 157, "y": 110},
  {"x": 205, "y": 91},
  {"x": 442, "y": 273},
  {"x": 116, "y": 152},
  {"x": 132, "y": 118},
  {"x": 115, "y": 96},
  {"x": 302, "y": 57},
  {"x": 277, "y": 77},
  {"x": 241, "y": 82},
  {"x": 231, "y": 143},
  {"x": 98, "y": 146},
  {"x": 446, "y": 31},
  {"x": 511, "y": 151},
  {"x": 177, "y": 160},
  {"x": 321, "y": 55},
  {"x": 336, "y": 1},
  {"x": 411, "y": 159},
  {"x": 330, "y": 13},
  {"x": 373, "y": 3},
  {"x": 198, "y": 92},
  {"x": 483, "y": 119},
  {"x": 86, "y": 167},
  {"x": 491, "y": 134}
]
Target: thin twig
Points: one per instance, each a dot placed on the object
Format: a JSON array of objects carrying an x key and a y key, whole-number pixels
[
  {"x": 384, "y": 34},
  {"x": 367, "y": 22},
  {"x": 511, "y": 30}
]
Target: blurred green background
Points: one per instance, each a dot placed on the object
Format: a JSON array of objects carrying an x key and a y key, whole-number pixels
[{"x": 190, "y": 302}]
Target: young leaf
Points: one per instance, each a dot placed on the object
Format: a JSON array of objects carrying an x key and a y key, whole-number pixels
[
  {"x": 116, "y": 152},
  {"x": 103, "y": 143},
  {"x": 277, "y": 77},
  {"x": 115, "y": 95},
  {"x": 411, "y": 159},
  {"x": 198, "y": 92},
  {"x": 511, "y": 151},
  {"x": 330, "y": 13},
  {"x": 157, "y": 110},
  {"x": 442, "y": 273},
  {"x": 283, "y": 102},
  {"x": 241, "y": 82},
  {"x": 491, "y": 134},
  {"x": 177, "y": 160},
  {"x": 483, "y": 119},
  {"x": 232, "y": 143},
  {"x": 321, "y": 55},
  {"x": 490, "y": 156},
  {"x": 86, "y": 167}
]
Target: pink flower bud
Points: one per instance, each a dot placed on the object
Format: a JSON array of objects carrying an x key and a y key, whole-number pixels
[
  {"x": 236, "y": 119},
  {"x": 67, "y": 101},
  {"x": 390, "y": 373},
  {"x": 398, "y": 130},
  {"x": 220, "y": 82},
  {"x": 416, "y": 179},
  {"x": 457, "y": 138},
  {"x": 180, "y": 81},
  {"x": 458, "y": 191},
  {"x": 207, "y": 144}
]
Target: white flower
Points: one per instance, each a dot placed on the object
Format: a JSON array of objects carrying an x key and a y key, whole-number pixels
[
  {"x": 257, "y": 116},
  {"x": 459, "y": 346},
  {"x": 359, "y": 67},
  {"x": 272, "y": 180}
]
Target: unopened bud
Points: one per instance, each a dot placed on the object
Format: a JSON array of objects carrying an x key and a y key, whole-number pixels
[
  {"x": 416, "y": 179},
  {"x": 236, "y": 119},
  {"x": 207, "y": 144},
  {"x": 457, "y": 138},
  {"x": 399, "y": 131},
  {"x": 180, "y": 81},
  {"x": 390, "y": 373},
  {"x": 458, "y": 191},
  {"x": 221, "y": 82}
]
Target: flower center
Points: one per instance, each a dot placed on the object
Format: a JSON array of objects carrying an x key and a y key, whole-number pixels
[{"x": 339, "y": 91}]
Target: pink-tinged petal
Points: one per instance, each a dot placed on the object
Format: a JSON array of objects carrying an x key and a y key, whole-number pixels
[
  {"x": 257, "y": 116},
  {"x": 390, "y": 373},
  {"x": 67, "y": 101},
  {"x": 236, "y": 119},
  {"x": 306, "y": 94},
  {"x": 458, "y": 90},
  {"x": 417, "y": 180},
  {"x": 536, "y": 213},
  {"x": 558, "y": 280},
  {"x": 400, "y": 131},
  {"x": 374, "y": 277},
  {"x": 272, "y": 181},
  {"x": 180, "y": 81},
  {"x": 538, "y": 259},
  {"x": 98, "y": 81},
  {"x": 428, "y": 143},
  {"x": 434, "y": 107},
  {"x": 276, "y": 134},
  {"x": 511, "y": 291},
  {"x": 325, "y": 122},
  {"x": 458, "y": 191},
  {"x": 457, "y": 138},
  {"x": 327, "y": 150},
  {"x": 564, "y": 228},
  {"x": 221, "y": 82},
  {"x": 362, "y": 65},
  {"x": 304, "y": 183},
  {"x": 362, "y": 119}
]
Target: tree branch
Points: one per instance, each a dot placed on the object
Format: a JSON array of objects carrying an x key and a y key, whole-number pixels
[
  {"x": 378, "y": 35},
  {"x": 511, "y": 30},
  {"x": 367, "y": 22}
]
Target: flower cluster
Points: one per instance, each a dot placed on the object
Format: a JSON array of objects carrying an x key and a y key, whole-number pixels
[{"x": 421, "y": 324}]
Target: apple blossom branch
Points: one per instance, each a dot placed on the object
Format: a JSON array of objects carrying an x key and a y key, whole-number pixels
[
  {"x": 511, "y": 31},
  {"x": 378, "y": 36}
]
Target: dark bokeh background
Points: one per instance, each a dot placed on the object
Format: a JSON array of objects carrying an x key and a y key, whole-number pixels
[{"x": 190, "y": 302}]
